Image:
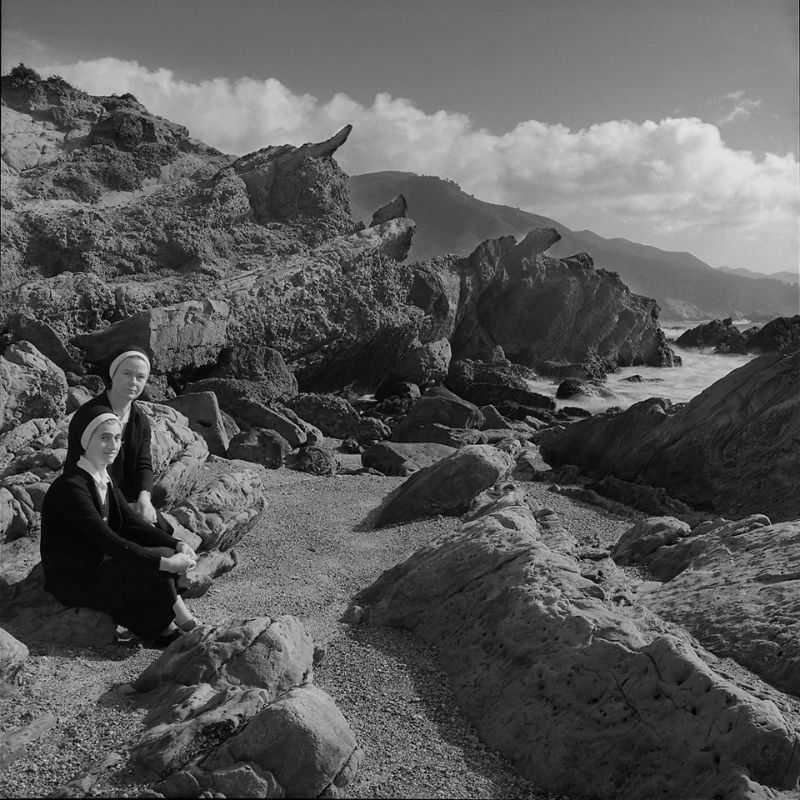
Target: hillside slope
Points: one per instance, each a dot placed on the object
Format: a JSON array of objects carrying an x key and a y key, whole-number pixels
[{"x": 450, "y": 220}]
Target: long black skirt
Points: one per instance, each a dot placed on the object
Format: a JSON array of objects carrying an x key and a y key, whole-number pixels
[{"x": 140, "y": 600}]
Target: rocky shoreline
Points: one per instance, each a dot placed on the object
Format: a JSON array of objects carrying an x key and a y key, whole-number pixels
[{"x": 352, "y": 446}]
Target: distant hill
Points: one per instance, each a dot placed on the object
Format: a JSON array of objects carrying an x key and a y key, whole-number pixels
[
  {"x": 785, "y": 275},
  {"x": 451, "y": 221}
]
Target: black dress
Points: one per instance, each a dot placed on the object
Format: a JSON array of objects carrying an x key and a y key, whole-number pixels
[{"x": 106, "y": 558}]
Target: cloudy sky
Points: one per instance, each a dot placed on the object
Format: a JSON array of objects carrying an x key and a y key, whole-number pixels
[{"x": 668, "y": 122}]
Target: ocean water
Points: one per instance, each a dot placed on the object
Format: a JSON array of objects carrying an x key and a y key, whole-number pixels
[{"x": 701, "y": 368}]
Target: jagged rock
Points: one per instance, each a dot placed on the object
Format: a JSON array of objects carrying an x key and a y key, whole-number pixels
[
  {"x": 647, "y": 536},
  {"x": 574, "y": 388},
  {"x": 177, "y": 452},
  {"x": 35, "y": 617},
  {"x": 398, "y": 458},
  {"x": 202, "y": 411},
  {"x": 76, "y": 397},
  {"x": 424, "y": 364},
  {"x": 579, "y": 311},
  {"x": 224, "y": 509},
  {"x": 234, "y": 707},
  {"x": 12, "y": 656},
  {"x": 448, "y": 486},
  {"x": 776, "y": 335},
  {"x": 254, "y": 361},
  {"x": 31, "y": 386},
  {"x": 546, "y": 668},
  {"x": 723, "y": 336},
  {"x": 650, "y": 499},
  {"x": 189, "y": 334},
  {"x": 42, "y": 336},
  {"x": 738, "y": 596},
  {"x": 260, "y": 446},
  {"x": 731, "y": 449},
  {"x": 490, "y": 383},
  {"x": 492, "y": 418},
  {"x": 210, "y": 565},
  {"x": 391, "y": 210}
]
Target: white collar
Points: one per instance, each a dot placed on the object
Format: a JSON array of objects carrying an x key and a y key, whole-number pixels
[{"x": 101, "y": 478}]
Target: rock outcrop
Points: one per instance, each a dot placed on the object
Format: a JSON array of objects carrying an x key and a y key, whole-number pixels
[
  {"x": 743, "y": 431},
  {"x": 233, "y": 709},
  {"x": 725, "y": 337},
  {"x": 586, "y": 697}
]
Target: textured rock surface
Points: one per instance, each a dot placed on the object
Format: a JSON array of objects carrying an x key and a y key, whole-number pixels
[
  {"x": 202, "y": 411},
  {"x": 260, "y": 446},
  {"x": 586, "y": 698},
  {"x": 739, "y": 594},
  {"x": 234, "y": 706},
  {"x": 448, "y": 486},
  {"x": 31, "y": 386},
  {"x": 743, "y": 431},
  {"x": 221, "y": 511},
  {"x": 400, "y": 458},
  {"x": 486, "y": 383},
  {"x": 12, "y": 655}
]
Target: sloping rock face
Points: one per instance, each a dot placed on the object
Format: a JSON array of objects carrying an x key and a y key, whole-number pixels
[
  {"x": 743, "y": 431},
  {"x": 586, "y": 698},
  {"x": 541, "y": 309},
  {"x": 234, "y": 710},
  {"x": 737, "y": 590}
]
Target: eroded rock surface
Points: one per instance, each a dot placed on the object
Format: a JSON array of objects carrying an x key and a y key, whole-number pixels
[{"x": 586, "y": 698}]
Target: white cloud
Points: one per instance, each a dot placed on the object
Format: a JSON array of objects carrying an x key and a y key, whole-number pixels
[
  {"x": 737, "y": 106},
  {"x": 673, "y": 175}
]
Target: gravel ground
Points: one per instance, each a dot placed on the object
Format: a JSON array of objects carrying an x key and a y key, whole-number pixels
[{"x": 312, "y": 551}]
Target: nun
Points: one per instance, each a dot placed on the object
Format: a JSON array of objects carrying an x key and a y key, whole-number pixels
[
  {"x": 132, "y": 471},
  {"x": 97, "y": 552}
]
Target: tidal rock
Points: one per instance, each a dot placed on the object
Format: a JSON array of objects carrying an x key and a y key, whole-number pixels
[
  {"x": 540, "y": 309},
  {"x": 732, "y": 449},
  {"x": 34, "y": 616},
  {"x": 448, "y": 486},
  {"x": 399, "y": 458},
  {"x": 587, "y": 698},
  {"x": 12, "y": 656},
  {"x": 489, "y": 383},
  {"x": 574, "y": 388},
  {"x": 189, "y": 334},
  {"x": 723, "y": 336},
  {"x": 314, "y": 460},
  {"x": 202, "y": 411},
  {"x": 739, "y": 596},
  {"x": 31, "y": 386},
  {"x": 260, "y": 446},
  {"x": 777, "y": 335},
  {"x": 224, "y": 509}
]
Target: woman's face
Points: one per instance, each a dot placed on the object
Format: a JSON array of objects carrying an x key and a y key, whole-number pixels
[
  {"x": 104, "y": 443},
  {"x": 129, "y": 379}
]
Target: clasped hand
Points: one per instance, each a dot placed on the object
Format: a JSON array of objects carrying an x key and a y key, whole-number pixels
[{"x": 178, "y": 563}]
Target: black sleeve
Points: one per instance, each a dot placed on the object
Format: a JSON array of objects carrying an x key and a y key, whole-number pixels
[
  {"x": 75, "y": 507},
  {"x": 143, "y": 462},
  {"x": 138, "y": 530}
]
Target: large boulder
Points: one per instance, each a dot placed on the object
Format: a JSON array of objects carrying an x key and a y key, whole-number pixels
[
  {"x": 424, "y": 364},
  {"x": 440, "y": 405},
  {"x": 335, "y": 416},
  {"x": 202, "y": 411},
  {"x": 733, "y": 448},
  {"x": 448, "y": 486},
  {"x": 723, "y": 336},
  {"x": 261, "y": 446},
  {"x": 234, "y": 708},
  {"x": 738, "y": 595},
  {"x": 586, "y": 697},
  {"x": 31, "y": 386}
]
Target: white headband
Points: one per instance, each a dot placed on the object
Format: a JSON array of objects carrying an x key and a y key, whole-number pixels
[
  {"x": 93, "y": 425},
  {"x": 127, "y": 354}
]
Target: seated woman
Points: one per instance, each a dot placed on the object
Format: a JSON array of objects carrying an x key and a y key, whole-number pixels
[
  {"x": 132, "y": 471},
  {"x": 96, "y": 552}
]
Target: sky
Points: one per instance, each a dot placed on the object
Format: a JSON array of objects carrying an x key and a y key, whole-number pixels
[{"x": 668, "y": 122}]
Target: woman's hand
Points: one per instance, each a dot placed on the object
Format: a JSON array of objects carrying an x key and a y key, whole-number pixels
[
  {"x": 177, "y": 564},
  {"x": 185, "y": 548},
  {"x": 144, "y": 508}
]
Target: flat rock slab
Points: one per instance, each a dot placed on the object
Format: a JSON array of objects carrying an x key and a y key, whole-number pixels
[{"x": 403, "y": 458}]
